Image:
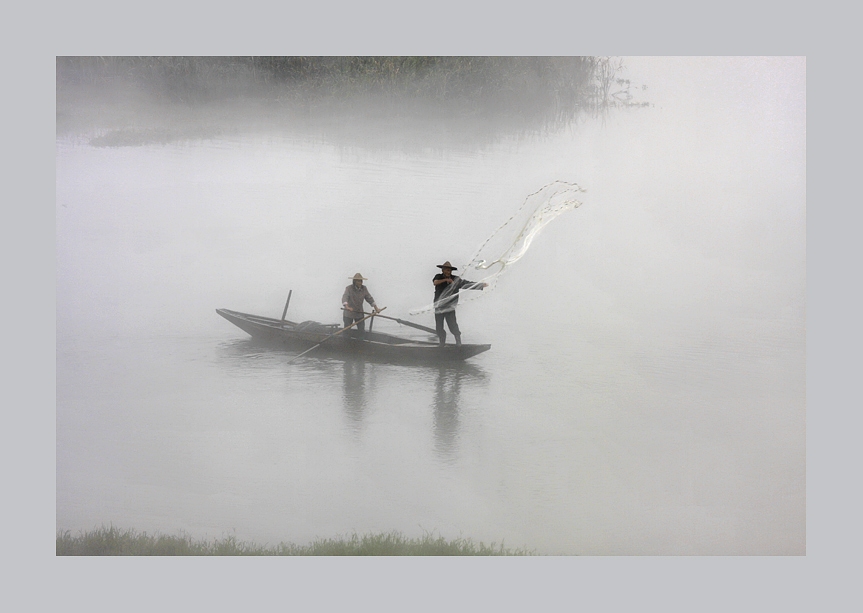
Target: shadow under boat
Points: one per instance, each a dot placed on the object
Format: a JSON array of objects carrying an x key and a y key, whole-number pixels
[{"x": 370, "y": 345}]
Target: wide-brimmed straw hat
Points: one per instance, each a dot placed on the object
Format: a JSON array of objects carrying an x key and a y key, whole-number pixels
[
  {"x": 358, "y": 277},
  {"x": 447, "y": 265}
]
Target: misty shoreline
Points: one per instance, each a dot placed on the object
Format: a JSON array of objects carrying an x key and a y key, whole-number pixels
[{"x": 134, "y": 101}]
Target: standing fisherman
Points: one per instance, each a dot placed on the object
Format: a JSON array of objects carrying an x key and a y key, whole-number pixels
[
  {"x": 352, "y": 302},
  {"x": 446, "y": 288}
]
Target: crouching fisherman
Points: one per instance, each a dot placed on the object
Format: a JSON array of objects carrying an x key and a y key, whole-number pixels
[
  {"x": 352, "y": 303},
  {"x": 446, "y": 288}
]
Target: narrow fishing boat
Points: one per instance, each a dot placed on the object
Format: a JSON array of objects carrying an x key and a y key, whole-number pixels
[{"x": 327, "y": 339}]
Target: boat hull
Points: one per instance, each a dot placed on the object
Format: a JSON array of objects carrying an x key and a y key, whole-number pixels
[{"x": 374, "y": 346}]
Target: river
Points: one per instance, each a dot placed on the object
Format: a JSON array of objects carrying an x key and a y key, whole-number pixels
[{"x": 645, "y": 389}]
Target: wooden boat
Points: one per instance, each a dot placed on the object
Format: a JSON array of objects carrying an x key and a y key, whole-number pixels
[{"x": 372, "y": 345}]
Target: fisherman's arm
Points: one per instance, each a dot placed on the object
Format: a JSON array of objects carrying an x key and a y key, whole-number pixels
[
  {"x": 346, "y": 301},
  {"x": 473, "y": 285},
  {"x": 371, "y": 301}
]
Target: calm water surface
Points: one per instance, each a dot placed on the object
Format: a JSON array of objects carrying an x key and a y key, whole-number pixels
[{"x": 645, "y": 389}]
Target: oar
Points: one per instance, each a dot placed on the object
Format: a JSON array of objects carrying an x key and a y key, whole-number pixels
[
  {"x": 331, "y": 336},
  {"x": 407, "y": 323}
]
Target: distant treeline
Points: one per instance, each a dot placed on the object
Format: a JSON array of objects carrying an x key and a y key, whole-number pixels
[
  {"x": 138, "y": 100},
  {"x": 564, "y": 84}
]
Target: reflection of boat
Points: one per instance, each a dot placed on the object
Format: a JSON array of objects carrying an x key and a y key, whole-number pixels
[{"x": 371, "y": 345}]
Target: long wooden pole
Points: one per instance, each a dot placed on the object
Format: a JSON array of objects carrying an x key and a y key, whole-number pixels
[
  {"x": 331, "y": 336},
  {"x": 407, "y": 323},
  {"x": 285, "y": 312}
]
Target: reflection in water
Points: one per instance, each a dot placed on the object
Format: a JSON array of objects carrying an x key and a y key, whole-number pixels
[
  {"x": 446, "y": 405},
  {"x": 354, "y": 392},
  {"x": 252, "y": 358},
  {"x": 359, "y": 377},
  {"x": 446, "y": 396},
  {"x": 247, "y": 357}
]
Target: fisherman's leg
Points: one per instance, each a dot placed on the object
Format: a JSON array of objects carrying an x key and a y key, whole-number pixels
[
  {"x": 348, "y": 321},
  {"x": 360, "y": 329},
  {"x": 441, "y": 333},
  {"x": 453, "y": 326}
]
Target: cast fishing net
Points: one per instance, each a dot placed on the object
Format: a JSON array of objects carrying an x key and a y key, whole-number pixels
[{"x": 508, "y": 244}]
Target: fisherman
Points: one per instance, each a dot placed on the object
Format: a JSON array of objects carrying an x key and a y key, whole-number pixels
[
  {"x": 446, "y": 288},
  {"x": 352, "y": 303}
]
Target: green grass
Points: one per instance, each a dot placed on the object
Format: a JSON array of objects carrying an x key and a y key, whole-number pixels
[{"x": 112, "y": 541}]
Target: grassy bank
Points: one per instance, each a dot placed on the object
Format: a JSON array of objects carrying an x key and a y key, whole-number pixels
[{"x": 112, "y": 541}]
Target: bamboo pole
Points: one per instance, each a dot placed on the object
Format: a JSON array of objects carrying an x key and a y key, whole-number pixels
[{"x": 331, "y": 336}]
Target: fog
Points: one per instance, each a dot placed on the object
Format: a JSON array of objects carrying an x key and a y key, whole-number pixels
[{"x": 644, "y": 393}]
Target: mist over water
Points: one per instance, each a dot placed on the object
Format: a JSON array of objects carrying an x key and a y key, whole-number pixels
[{"x": 644, "y": 393}]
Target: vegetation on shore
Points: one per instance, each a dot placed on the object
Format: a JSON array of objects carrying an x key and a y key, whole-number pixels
[
  {"x": 140, "y": 93},
  {"x": 508, "y": 80},
  {"x": 112, "y": 541}
]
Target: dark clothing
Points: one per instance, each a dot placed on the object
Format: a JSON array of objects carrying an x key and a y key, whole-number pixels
[
  {"x": 360, "y": 326},
  {"x": 449, "y": 317},
  {"x": 445, "y": 302},
  {"x": 446, "y": 294}
]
